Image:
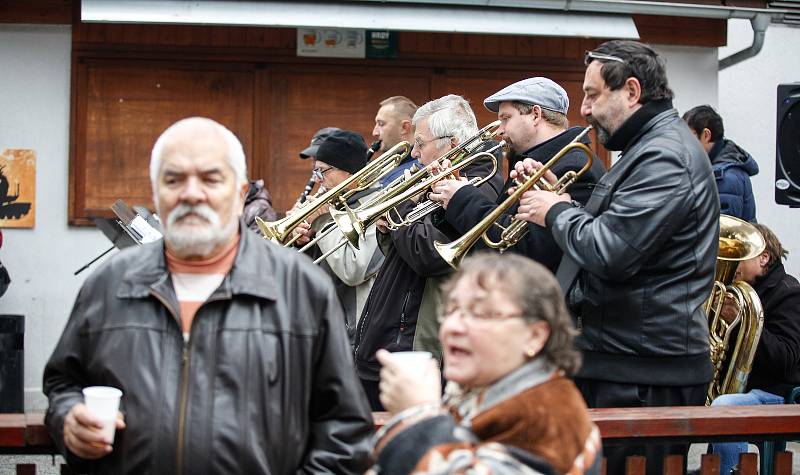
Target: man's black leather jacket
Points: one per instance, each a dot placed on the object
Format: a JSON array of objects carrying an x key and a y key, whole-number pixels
[
  {"x": 265, "y": 383},
  {"x": 646, "y": 244}
]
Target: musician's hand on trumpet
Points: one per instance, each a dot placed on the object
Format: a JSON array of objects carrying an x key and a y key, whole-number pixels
[
  {"x": 382, "y": 225},
  {"x": 444, "y": 190},
  {"x": 534, "y": 204},
  {"x": 302, "y": 234}
]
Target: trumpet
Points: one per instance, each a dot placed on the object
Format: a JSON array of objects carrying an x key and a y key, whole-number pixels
[
  {"x": 427, "y": 207},
  {"x": 353, "y": 223},
  {"x": 455, "y": 251},
  {"x": 278, "y": 231}
]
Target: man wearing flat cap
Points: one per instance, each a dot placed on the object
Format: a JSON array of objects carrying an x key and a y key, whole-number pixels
[
  {"x": 533, "y": 114},
  {"x": 338, "y": 156}
]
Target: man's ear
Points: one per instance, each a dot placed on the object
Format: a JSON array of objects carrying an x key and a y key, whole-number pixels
[
  {"x": 764, "y": 258},
  {"x": 633, "y": 90},
  {"x": 705, "y": 135},
  {"x": 536, "y": 114},
  {"x": 406, "y": 127},
  {"x": 243, "y": 194}
]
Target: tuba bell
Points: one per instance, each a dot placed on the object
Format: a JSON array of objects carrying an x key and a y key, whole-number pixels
[{"x": 733, "y": 345}]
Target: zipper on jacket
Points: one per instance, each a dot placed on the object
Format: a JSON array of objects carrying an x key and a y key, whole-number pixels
[
  {"x": 182, "y": 413},
  {"x": 402, "y": 318},
  {"x": 184, "y": 381}
]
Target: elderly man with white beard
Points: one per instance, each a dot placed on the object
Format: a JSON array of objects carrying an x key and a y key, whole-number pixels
[{"x": 230, "y": 351}]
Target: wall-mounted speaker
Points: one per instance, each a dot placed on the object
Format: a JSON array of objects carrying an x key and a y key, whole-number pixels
[{"x": 787, "y": 144}]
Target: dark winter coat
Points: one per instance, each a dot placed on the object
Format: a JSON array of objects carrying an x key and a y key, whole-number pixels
[{"x": 733, "y": 168}]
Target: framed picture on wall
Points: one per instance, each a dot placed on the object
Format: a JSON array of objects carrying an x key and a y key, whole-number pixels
[{"x": 17, "y": 188}]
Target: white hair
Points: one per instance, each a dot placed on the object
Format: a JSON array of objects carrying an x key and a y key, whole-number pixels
[
  {"x": 235, "y": 155},
  {"x": 448, "y": 116}
]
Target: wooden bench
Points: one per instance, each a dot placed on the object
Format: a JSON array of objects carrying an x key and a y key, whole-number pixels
[{"x": 25, "y": 433}]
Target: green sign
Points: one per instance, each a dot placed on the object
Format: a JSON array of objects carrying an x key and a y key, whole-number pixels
[{"x": 381, "y": 44}]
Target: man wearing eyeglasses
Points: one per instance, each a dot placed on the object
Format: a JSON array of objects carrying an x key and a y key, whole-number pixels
[
  {"x": 403, "y": 305},
  {"x": 533, "y": 115},
  {"x": 353, "y": 270},
  {"x": 639, "y": 258}
]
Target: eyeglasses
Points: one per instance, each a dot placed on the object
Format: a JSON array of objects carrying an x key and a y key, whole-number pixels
[
  {"x": 589, "y": 56},
  {"x": 320, "y": 174},
  {"x": 419, "y": 144},
  {"x": 470, "y": 316}
]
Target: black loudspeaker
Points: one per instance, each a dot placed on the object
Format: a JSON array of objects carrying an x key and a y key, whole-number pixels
[
  {"x": 12, "y": 367},
  {"x": 787, "y": 144}
]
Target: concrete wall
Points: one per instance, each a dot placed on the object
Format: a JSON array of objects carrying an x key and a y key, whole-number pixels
[
  {"x": 747, "y": 103},
  {"x": 34, "y": 114}
]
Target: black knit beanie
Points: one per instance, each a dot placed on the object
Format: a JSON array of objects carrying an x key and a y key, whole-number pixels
[{"x": 344, "y": 150}]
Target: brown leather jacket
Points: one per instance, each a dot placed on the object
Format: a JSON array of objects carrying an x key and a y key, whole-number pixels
[{"x": 265, "y": 383}]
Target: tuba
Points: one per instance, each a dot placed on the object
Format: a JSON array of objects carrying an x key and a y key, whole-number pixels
[{"x": 733, "y": 345}]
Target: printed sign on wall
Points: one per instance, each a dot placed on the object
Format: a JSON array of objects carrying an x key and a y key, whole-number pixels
[
  {"x": 330, "y": 42},
  {"x": 17, "y": 188}
]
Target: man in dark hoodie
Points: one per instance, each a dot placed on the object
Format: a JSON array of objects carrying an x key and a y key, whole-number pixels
[
  {"x": 533, "y": 115},
  {"x": 732, "y": 165}
]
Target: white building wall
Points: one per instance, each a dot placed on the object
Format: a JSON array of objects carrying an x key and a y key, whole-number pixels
[
  {"x": 747, "y": 104},
  {"x": 34, "y": 114}
]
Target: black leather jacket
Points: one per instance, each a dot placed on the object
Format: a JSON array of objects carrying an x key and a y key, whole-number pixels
[
  {"x": 265, "y": 384},
  {"x": 646, "y": 244}
]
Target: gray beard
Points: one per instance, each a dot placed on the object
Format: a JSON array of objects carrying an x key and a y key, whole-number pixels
[{"x": 193, "y": 242}]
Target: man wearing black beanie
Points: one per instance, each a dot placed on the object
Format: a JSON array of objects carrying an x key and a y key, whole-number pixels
[{"x": 339, "y": 156}]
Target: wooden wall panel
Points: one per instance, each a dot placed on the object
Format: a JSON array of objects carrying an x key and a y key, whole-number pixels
[
  {"x": 37, "y": 11},
  {"x": 127, "y": 106},
  {"x": 303, "y": 100}
]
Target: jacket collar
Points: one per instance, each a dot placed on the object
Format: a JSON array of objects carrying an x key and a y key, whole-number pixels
[
  {"x": 636, "y": 124},
  {"x": 770, "y": 279},
  {"x": 716, "y": 148},
  {"x": 470, "y": 403},
  {"x": 547, "y": 149},
  {"x": 148, "y": 272}
]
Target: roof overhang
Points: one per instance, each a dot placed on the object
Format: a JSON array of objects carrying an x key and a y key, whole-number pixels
[{"x": 444, "y": 17}]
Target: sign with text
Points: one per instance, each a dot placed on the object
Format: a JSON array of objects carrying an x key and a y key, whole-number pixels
[
  {"x": 381, "y": 44},
  {"x": 330, "y": 42}
]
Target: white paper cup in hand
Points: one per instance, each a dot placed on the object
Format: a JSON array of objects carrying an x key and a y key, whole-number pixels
[
  {"x": 416, "y": 363},
  {"x": 103, "y": 403}
]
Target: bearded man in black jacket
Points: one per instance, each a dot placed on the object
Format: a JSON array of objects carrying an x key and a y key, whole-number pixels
[
  {"x": 639, "y": 258},
  {"x": 533, "y": 115},
  {"x": 404, "y": 303}
]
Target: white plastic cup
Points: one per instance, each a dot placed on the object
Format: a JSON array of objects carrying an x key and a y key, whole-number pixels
[
  {"x": 103, "y": 403},
  {"x": 416, "y": 363}
]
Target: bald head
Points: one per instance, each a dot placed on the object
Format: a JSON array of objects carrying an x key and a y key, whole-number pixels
[{"x": 190, "y": 136}]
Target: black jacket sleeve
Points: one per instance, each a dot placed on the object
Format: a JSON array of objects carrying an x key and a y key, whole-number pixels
[
  {"x": 778, "y": 350},
  {"x": 64, "y": 379}
]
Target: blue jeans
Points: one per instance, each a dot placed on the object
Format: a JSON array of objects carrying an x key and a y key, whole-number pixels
[{"x": 729, "y": 451}]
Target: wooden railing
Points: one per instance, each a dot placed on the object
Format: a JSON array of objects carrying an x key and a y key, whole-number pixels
[{"x": 25, "y": 433}]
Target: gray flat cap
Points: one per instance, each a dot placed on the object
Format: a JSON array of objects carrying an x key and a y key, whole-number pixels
[
  {"x": 536, "y": 91},
  {"x": 316, "y": 140}
]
